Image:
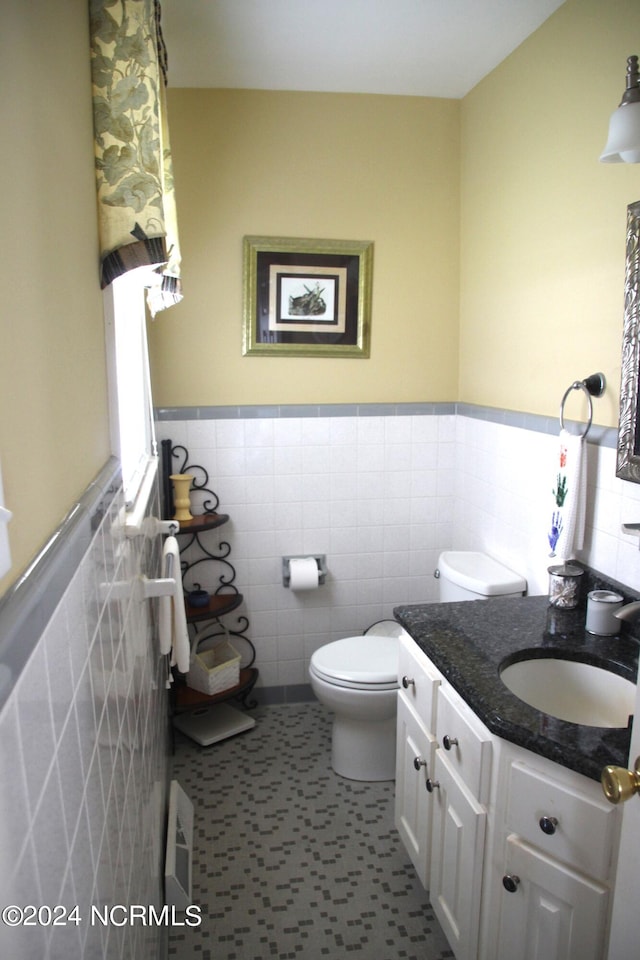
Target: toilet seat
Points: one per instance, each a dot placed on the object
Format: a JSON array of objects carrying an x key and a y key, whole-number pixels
[{"x": 360, "y": 663}]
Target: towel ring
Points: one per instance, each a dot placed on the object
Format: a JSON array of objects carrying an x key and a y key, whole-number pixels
[{"x": 593, "y": 386}]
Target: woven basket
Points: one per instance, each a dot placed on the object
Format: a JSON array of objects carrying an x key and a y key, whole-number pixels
[{"x": 215, "y": 670}]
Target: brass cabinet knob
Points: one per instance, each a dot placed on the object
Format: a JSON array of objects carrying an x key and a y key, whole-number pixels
[
  {"x": 406, "y": 683},
  {"x": 620, "y": 784},
  {"x": 448, "y": 742},
  {"x": 419, "y": 762}
]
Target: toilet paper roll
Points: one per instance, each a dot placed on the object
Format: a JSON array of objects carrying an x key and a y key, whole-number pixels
[{"x": 303, "y": 573}]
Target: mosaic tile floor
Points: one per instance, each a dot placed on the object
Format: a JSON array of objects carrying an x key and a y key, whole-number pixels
[{"x": 292, "y": 861}]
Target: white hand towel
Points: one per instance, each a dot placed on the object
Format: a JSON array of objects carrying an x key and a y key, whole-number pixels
[
  {"x": 566, "y": 530},
  {"x": 174, "y": 636}
]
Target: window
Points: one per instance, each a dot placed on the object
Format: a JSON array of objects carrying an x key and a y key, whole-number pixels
[
  {"x": 5, "y": 552},
  {"x": 131, "y": 408}
]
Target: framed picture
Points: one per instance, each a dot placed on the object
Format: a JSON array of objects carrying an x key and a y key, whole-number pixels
[{"x": 306, "y": 298}]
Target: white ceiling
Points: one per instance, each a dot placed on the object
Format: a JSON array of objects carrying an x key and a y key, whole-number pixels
[{"x": 437, "y": 48}]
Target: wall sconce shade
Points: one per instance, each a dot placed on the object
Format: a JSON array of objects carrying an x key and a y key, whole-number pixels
[{"x": 623, "y": 143}]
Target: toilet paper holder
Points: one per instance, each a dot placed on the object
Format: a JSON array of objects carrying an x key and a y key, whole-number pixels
[{"x": 320, "y": 559}]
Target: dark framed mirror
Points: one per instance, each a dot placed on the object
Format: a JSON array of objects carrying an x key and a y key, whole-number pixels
[{"x": 628, "y": 461}]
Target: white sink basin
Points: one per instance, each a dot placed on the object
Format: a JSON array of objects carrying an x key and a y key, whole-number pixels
[{"x": 572, "y": 691}]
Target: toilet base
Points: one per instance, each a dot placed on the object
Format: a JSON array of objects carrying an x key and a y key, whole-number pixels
[{"x": 364, "y": 749}]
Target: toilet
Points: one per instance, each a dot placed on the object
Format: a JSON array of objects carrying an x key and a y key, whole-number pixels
[{"x": 357, "y": 677}]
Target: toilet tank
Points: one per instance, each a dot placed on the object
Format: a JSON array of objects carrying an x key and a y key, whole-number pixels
[{"x": 469, "y": 575}]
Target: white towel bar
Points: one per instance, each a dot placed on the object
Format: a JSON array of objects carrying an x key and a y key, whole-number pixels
[{"x": 159, "y": 587}]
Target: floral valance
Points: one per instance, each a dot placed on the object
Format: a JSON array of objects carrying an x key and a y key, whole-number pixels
[{"x": 136, "y": 204}]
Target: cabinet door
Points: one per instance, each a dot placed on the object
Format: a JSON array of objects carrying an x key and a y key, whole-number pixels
[
  {"x": 467, "y": 741},
  {"x": 553, "y": 913},
  {"x": 413, "y": 803},
  {"x": 459, "y": 823},
  {"x": 419, "y": 681}
]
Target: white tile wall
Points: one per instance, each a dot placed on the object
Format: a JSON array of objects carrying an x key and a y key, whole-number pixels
[
  {"x": 373, "y": 493},
  {"x": 503, "y": 479},
  {"x": 382, "y": 496},
  {"x": 83, "y": 765}
]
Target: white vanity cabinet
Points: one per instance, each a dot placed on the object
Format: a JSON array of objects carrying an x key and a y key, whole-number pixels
[
  {"x": 517, "y": 852},
  {"x": 415, "y": 754},
  {"x": 559, "y": 836}
]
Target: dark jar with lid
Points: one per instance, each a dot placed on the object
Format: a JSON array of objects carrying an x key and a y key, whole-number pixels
[{"x": 564, "y": 585}]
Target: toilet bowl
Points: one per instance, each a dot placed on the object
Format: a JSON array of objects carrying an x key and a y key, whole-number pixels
[{"x": 357, "y": 679}]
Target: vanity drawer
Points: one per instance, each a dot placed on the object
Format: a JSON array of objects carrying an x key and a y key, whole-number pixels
[
  {"x": 584, "y": 833},
  {"x": 419, "y": 680},
  {"x": 466, "y": 741}
]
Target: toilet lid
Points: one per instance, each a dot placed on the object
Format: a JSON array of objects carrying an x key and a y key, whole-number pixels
[{"x": 369, "y": 661}]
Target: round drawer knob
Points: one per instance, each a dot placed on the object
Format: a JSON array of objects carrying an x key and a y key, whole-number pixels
[
  {"x": 407, "y": 682},
  {"x": 432, "y": 785},
  {"x": 548, "y": 825},
  {"x": 448, "y": 742},
  {"x": 419, "y": 762},
  {"x": 510, "y": 882}
]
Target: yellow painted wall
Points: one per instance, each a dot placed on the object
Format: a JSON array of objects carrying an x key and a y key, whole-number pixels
[
  {"x": 543, "y": 223},
  {"x": 540, "y": 225},
  {"x": 53, "y": 411},
  {"x": 330, "y": 166},
  {"x": 536, "y": 299}
]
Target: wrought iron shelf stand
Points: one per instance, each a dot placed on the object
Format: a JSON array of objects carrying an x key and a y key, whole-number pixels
[{"x": 225, "y": 599}]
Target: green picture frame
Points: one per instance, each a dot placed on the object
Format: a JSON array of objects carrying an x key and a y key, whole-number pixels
[{"x": 306, "y": 298}]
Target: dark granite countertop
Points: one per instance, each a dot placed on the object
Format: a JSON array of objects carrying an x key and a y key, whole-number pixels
[{"x": 468, "y": 641}]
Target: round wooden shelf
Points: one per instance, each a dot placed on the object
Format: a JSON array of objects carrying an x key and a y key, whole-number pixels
[
  {"x": 218, "y": 605},
  {"x": 187, "y": 699},
  {"x": 204, "y": 521}
]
